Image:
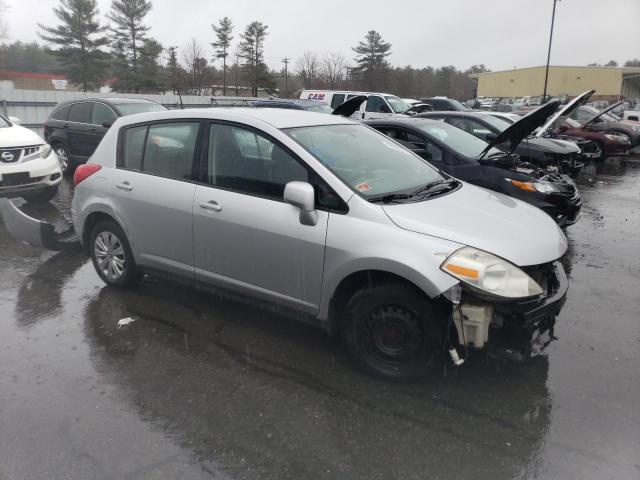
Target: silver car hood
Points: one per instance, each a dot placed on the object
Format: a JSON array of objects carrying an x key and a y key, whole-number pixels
[
  {"x": 562, "y": 114},
  {"x": 490, "y": 221}
]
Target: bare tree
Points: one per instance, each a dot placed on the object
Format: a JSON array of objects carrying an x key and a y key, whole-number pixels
[
  {"x": 309, "y": 69},
  {"x": 4, "y": 27},
  {"x": 333, "y": 67},
  {"x": 195, "y": 64}
]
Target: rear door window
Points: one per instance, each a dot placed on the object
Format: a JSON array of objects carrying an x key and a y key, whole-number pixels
[
  {"x": 170, "y": 149},
  {"x": 81, "y": 112}
]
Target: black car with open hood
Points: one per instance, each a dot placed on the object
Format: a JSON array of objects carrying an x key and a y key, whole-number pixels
[
  {"x": 473, "y": 160},
  {"x": 550, "y": 154}
]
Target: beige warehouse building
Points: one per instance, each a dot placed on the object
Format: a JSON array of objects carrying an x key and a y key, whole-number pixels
[{"x": 608, "y": 82}]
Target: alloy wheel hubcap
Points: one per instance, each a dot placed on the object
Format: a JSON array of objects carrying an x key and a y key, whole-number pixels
[
  {"x": 62, "y": 157},
  {"x": 109, "y": 255}
]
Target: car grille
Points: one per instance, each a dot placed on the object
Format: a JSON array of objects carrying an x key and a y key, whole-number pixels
[{"x": 14, "y": 155}]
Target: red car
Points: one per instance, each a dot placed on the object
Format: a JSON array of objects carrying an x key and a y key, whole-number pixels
[{"x": 609, "y": 144}]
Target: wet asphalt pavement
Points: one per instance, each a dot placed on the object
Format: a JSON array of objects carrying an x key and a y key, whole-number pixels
[{"x": 198, "y": 387}]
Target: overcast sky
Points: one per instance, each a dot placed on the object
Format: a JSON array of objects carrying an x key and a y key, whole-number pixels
[{"x": 502, "y": 34}]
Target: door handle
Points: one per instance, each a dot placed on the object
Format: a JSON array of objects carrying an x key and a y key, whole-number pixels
[
  {"x": 126, "y": 186},
  {"x": 65, "y": 126},
  {"x": 211, "y": 205},
  {"x": 363, "y": 115}
]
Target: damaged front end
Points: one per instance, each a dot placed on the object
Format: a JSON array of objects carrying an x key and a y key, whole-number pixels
[{"x": 508, "y": 328}]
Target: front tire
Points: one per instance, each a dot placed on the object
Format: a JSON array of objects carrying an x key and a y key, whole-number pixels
[
  {"x": 111, "y": 255},
  {"x": 392, "y": 331},
  {"x": 41, "y": 196},
  {"x": 62, "y": 153}
]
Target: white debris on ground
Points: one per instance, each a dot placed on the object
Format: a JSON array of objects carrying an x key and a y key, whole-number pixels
[{"x": 123, "y": 322}]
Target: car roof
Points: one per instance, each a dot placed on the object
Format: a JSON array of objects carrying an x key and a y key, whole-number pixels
[
  {"x": 294, "y": 101},
  {"x": 276, "y": 117},
  {"x": 400, "y": 122},
  {"x": 112, "y": 100}
]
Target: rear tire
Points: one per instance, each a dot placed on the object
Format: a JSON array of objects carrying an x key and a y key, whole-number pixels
[
  {"x": 392, "y": 331},
  {"x": 41, "y": 196},
  {"x": 112, "y": 256}
]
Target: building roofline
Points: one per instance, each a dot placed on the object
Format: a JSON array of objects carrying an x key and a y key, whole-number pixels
[{"x": 622, "y": 69}]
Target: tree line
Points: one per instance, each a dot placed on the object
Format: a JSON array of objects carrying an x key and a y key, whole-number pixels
[{"x": 89, "y": 50}]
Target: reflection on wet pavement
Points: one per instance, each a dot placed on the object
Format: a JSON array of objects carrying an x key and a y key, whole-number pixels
[{"x": 198, "y": 387}]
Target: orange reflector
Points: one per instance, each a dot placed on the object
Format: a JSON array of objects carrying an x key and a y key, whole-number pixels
[
  {"x": 465, "y": 272},
  {"x": 523, "y": 185}
]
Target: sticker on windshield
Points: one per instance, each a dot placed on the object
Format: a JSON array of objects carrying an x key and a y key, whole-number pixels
[{"x": 363, "y": 187}]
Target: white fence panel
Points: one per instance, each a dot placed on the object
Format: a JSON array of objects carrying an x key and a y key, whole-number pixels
[{"x": 33, "y": 107}]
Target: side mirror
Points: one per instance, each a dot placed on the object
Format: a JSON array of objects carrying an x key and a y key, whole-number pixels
[
  {"x": 562, "y": 128},
  {"x": 15, "y": 120},
  {"x": 384, "y": 109},
  {"x": 107, "y": 124},
  {"x": 302, "y": 196},
  {"x": 490, "y": 137}
]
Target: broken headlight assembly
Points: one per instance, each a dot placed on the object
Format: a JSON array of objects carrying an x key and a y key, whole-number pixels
[
  {"x": 538, "y": 186},
  {"x": 490, "y": 274},
  {"x": 39, "y": 151}
]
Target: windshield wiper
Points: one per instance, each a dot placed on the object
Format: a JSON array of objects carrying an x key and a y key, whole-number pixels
[
  {"x": 391, "y": 197},
  {"x": 429, "y": 186}
]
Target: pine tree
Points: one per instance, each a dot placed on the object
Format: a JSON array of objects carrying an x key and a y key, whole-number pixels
[
  {"x": 79, "y": 40},
  {"x": 224, "y": 36},
  {"x": 130, "y": 38},
  {"x": 251, "y": 49},
  {"x": 371, "y": 59}
]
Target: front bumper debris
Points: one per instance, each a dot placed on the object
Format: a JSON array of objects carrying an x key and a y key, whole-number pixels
[
  {"x": 56, "y": 234},
  {"x": 520, "y": 329}
]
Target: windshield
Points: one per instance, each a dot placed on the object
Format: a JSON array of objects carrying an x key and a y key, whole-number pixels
[
  {"x": 319, "y": 107},
  {"x": 457, "y": 105},
  {"x": 132, "y": 108},
  {"x": 367, "y": 161},
  {"x": 497, "y": 123},
  {"x": 397, "y": 104},
  {"x": 457, "y": 139}
]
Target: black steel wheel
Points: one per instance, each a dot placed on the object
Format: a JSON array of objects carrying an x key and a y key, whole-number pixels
[{"x": 393, "y": 332}]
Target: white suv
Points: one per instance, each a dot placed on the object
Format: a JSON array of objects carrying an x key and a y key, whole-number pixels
[{"x": 28, "y": 166}]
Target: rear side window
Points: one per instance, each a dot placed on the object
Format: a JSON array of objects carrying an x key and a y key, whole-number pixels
[
  {"x": 61, "y": 113},
  {"x": 134, "y": 147},
  {"x": 102, "y": 114},
  {"x": 337, "y": 99},
  {"x": 81, "y": 112},
  {"x": 169, "y": 149}
]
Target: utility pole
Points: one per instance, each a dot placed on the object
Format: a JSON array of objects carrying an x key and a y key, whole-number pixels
[
  {"x": 237, "y": 66},
  {"x": 286, "y": 76},
  {"x": 546, "y": 74}
]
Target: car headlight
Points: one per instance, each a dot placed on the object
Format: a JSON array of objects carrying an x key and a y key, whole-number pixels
[
  {"x": 539, "y": 186},
  {"x": 615, "y": 138},
  {"x": 40, "y": 151},
  {"x": 490, "y": 274}
]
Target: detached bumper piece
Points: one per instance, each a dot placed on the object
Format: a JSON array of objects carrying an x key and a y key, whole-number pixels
[
  {"x": 57, "y": 234},
  {"x": 518, "y": 330}
]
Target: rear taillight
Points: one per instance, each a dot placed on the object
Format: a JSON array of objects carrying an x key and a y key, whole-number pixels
[{"x": 84, "y": 171}]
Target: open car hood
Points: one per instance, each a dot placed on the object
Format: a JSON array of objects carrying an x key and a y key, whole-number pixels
[
  {"x": 521, "y": 129},
  {"x": 348, "y": 108},
  {"x": 562, "y": 114},
  {"x": 418, "y": 108},
  {"x": 606, "y": 110}
]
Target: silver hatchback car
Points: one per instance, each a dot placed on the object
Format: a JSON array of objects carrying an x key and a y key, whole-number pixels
[{"x": 330, "y": 221}]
